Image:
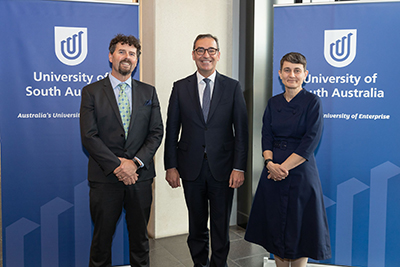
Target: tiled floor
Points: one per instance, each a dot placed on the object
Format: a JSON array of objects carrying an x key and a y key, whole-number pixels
[{"x": 173, "y": 252}]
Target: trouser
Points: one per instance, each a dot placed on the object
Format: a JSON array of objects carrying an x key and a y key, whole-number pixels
[
  {"x": 106, "y": 204},
  {"x": 201, "y": 194}
]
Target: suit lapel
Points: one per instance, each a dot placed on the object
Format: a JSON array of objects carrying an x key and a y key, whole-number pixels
[
  {"x": 193, "y": 92},
  {"x": 109, "y": 92},
  {"x": 134, "y": 101},
  {"x": 219, "y": 86}
]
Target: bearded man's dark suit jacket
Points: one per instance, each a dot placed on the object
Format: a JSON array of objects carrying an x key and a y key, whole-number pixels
[
  {"x": 103, "y": 136},
  {"x": 224, "y": 135}
]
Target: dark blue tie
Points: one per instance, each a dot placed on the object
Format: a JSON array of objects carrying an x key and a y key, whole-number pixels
[{"x": 206, "y": 99}]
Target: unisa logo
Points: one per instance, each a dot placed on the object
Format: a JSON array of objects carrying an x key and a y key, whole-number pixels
[
  {"x": 70, "y": 45},
  {"x": 340, "y": 47}
]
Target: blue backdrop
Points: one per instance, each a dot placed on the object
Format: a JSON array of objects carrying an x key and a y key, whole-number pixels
[
  {"x": 50, "y": 50},
  {"x": 352, "y": 51}
]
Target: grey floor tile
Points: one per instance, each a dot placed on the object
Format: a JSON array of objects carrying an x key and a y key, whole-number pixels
[
  {"x": 233, "y": 236},
  {"x": 166, "y": 241},
  {"x": 231, "y": 263},
  {"x": 237, "y": 230},
  {"x": 253, "y": 261},
  {"x": 187, "y": 263},
  {"x": 154, "y": 244},
  {"x": 241, "y": 249},
  {"x": 179, "y": 250},
  {"x": 161, "y": 257}
]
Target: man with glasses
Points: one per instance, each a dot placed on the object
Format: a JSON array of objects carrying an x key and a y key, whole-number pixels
[{"x": 206, "y": 146}]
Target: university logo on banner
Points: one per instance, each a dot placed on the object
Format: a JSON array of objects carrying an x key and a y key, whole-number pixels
[
  {"x": 70, "y": 45},
  {"x": 340, "y": 47}
]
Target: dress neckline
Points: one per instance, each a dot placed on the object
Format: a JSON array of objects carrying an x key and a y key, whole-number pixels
[{"x": 284, "y": 98}]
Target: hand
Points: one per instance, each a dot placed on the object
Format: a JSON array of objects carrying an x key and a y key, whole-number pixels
[
  {"x": 130, "y": 181},
  {"x": 236, "y": 179},
  {"x": 277, "y": 172},
  {"x": 173, "y": 178},
  {"x": 126, "y": 171}
]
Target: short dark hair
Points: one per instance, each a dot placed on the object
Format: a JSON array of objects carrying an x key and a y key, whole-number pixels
[
  {"x": 202, "y": 36},
  {"x": 124, "y": 39},
  {"x": 295, "y": 58}
]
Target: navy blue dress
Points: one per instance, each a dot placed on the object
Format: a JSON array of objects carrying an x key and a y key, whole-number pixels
[{"x": 288, "y": 217}]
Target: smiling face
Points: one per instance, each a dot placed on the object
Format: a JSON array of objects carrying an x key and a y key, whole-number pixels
[
  {"x": 292, "y": 75},
  {"x": 206, "y": 63},
  {"x": 123, "y": 60}
]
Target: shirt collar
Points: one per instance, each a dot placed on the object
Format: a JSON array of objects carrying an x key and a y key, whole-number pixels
[
  {"x": 115, "y": 82},
  {"x": 201, "y": 77}
]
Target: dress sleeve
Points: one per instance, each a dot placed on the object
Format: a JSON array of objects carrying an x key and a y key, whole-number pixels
[
  {"x": 267, "y": 138},
  {"x": 314, "y": 126}
]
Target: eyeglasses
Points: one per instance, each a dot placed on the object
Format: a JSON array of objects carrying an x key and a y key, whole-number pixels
[{"x": 201, "y": 50}]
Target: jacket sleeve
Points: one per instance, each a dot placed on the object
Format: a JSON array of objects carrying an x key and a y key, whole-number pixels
[
  {"x": 240, "y": 124},
  {"x": 172, "y": 131},
  {"x": 91, "y": 140},
  {"x": 155, "y": 132}
]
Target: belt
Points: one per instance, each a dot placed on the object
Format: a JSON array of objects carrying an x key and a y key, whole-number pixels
[{"x": 283, "y": 145}]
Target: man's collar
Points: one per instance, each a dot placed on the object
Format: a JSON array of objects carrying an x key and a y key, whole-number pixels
[
  {"x": 201, "y": 77},
  {"x": 115, "y": 82}
]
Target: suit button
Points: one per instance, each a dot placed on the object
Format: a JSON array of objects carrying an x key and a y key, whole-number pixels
[{"x": 122, "y": 135}]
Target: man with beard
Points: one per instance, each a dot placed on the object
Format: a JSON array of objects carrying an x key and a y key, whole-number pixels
[{"x": 121, "y": 128}]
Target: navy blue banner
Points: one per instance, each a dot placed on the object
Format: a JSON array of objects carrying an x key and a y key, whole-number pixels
[
  {"x": 352, "y": 51},
  {"x": 50, "y": 50}
]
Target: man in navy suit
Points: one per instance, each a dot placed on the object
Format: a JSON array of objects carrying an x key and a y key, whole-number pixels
[
  {"x": 121, "y": 143},
  {"x": 206, "y": 146}
]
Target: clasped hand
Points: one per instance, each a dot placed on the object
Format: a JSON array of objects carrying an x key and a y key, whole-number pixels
[
  {"x": 277, "y": 172},
  {"x": 126, "y": 171}
]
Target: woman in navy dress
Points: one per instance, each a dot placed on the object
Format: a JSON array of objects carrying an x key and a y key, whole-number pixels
[{"x": 288, "y": 215}]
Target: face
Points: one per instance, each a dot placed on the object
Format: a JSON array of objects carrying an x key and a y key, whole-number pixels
[
  {"x": 123, "y": 60},
  {"x": 292, "y": 75},
  {"x": 206, "y": 63}
]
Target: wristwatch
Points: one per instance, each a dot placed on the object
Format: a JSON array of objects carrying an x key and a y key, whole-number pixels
[
  {"x": 136, "y": 162},
  {"x": 266, "y": 162}
]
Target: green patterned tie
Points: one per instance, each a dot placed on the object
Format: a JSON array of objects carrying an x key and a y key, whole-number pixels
[{"x": 124, "y": 108}]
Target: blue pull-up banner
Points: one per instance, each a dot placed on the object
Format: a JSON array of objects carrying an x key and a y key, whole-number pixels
[
  {"x": 50, "y": 50},
  {"x": 352, "y": 50}
]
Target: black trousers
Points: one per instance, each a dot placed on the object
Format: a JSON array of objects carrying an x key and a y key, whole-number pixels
[
  {"x": 201, "y": 194},
  {"x": 106, "y": 204}
]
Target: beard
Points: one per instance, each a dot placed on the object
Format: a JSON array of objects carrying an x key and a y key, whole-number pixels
[{"x": 124, "y": 72}]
